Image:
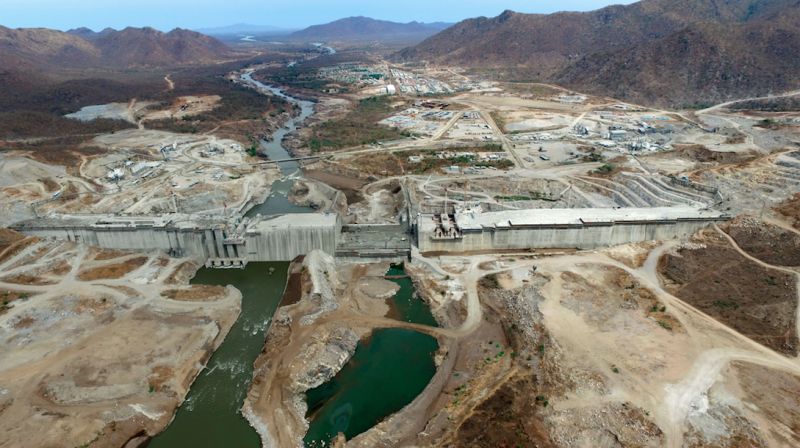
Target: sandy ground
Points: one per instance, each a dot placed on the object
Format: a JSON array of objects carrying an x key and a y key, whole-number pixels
[{"x": 79, "y": 363}]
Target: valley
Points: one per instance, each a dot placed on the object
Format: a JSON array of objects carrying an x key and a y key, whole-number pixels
[{"x": 365, "y": 234}]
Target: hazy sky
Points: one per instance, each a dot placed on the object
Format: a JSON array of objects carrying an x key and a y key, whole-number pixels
[{"x": 168, "y": 14}]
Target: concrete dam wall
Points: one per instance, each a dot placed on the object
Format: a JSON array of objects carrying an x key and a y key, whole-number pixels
[
  {"x": 222, "y": 242},
  {"x": 568, "y": 228}
]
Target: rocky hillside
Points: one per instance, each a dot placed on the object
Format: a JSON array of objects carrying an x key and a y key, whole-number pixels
[
  {"x": 40, "y": 48},
  {"x": 359, "y": 28},
  {"x": 700, "y": 65},
  {"x": 90, "y": 34},
  {"x": 594, "y": 49}
]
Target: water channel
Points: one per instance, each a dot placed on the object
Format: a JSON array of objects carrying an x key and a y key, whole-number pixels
[
  {"x": 404, "y": 306},
  {"x": 209, "y": 416}
]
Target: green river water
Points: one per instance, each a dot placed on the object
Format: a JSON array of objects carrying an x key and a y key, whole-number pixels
[
  {"x": 405, "y": 306},
  {"x": 386, "y": 373},
  {"x": 209, "y": 417}
]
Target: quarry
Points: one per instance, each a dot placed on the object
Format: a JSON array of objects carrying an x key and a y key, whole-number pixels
[{"x": 523, "y": 265}]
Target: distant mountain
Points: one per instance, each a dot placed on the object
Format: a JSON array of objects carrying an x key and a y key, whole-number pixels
[
  {"x": 89, "y": 34},
  {"x": 148, "y": 46},
  {"x": 36, "y": 48},
  {"x": 635, "y": 49},
  {"x": 242, "y": 28},
  {"x": 359, "y": 28},
  {"x": 438, "y": 25}
]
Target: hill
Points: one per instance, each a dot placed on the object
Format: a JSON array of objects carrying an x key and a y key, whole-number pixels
[
  {"x": 701, "y": 65},
  {"x": 89, "y": 34},
  {"x": 150, "y": 47},
  {"x": 583, "y": 49},
  {"x": 29, "y": 49},
  {"x": 360, "y": 28}
]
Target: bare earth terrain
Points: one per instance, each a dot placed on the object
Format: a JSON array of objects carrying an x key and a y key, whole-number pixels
[{"x": 96, "y": 349}]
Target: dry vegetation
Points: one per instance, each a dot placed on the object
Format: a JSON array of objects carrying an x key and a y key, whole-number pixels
[
  {"x": 26, "y": 124},
  {"x": 767, "y": 242},
  {"x": 244, "y": 111},
  {"x": 109, "y": 254},
  {"x": 359, "y": 127},
  {"x": 9, "y": 297},
  {"x": 114, "y": 270},
  {"x": 16, "y": 243},
  {"x": 24, "y": 279},
  {"x": 196, "y": 293},
  {"x": 758, "y": 302},
  {"x": 396, "y": 164}
]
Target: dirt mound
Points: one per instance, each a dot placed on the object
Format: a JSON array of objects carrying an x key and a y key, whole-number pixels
[
  {"x": 113, "y": 271},
  {"x": 508, "y": 417},
  {"x": 351, "y": 187},
  {"x": 776, "y": 394},
  {"x": 767, "y": 242},
  {"x": 700, "y": 153},
  {"x": 182, "y": 273},
  {"x": 790, "y": 208},
  {"x": 757, "y": 302},
  {"x": 197, "y": 293}
]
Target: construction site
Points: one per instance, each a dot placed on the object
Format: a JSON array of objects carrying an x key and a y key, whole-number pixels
[{"x": 529, "y": 266}]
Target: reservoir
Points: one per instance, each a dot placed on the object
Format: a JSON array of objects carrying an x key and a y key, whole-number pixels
[{"x": 209, "y": 418}]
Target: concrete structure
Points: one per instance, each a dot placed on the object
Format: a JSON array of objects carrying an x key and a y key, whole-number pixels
[
  {"x": 617, "y": 134},
  {"x": 587, "y": 228},
  {"x": 220, "y": 241}
]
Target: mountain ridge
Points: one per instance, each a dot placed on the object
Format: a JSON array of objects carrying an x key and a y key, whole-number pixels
[
  {"x": 588, "y": 49},
  {"x": 29, "y": 49},
  {"x": 361, "y": 27}
]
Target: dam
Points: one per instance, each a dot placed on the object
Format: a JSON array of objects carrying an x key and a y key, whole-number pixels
[
  {"x": 222, "y": 242},
  {"x": 582, "y": 228},
  {"x": 233, "y": 242}
]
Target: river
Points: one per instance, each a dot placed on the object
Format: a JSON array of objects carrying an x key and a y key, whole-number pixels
[
  {"x": 278, "y": 203},
  {"x": 395, "y": 364},
  {"x": 209, "y": 417}
]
